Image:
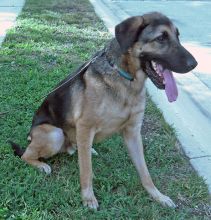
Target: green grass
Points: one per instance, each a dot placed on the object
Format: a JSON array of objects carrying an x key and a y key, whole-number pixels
[{"x": 51, "y": 39}]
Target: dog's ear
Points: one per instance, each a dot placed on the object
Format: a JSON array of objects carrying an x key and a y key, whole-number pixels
[{"x": 127, "y": 31}]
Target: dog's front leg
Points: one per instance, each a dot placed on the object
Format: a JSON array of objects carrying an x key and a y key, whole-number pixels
[
  {"x": 134, "y": 144},
  {"x": 84, "y": 137}
]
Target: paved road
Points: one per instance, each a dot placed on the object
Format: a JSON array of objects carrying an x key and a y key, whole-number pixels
[{"x": 190, "y": 115}]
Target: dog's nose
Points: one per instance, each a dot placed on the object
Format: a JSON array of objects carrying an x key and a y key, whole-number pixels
[{"x": 191, "y": 63}]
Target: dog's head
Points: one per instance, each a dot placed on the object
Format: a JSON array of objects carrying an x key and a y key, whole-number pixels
[{"x": 154, "y": 39}]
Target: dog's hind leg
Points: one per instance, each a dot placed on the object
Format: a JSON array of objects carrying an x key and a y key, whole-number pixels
[
  {"x": 33, "y": 160},
  {"x": 47, "y": 140}
]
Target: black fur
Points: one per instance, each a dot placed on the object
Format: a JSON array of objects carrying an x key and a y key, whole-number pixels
[{"x": 18, "y": 151}]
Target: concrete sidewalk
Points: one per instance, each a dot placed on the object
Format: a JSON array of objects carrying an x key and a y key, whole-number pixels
[
  {"x": 190, "y": 115},
  {"x": 9, "y": 10}
]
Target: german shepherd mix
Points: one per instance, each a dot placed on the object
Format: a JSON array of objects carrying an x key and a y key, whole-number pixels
[{"x": 109, "y": 96}]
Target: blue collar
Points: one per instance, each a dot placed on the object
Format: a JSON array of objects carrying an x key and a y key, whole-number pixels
[{"x": 125, "y": 75}]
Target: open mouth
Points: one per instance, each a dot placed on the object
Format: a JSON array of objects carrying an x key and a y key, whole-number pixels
[{"x": 162, "y": 78}]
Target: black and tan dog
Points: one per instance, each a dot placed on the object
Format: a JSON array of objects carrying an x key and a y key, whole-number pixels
[{"x": 109, "y": 96}]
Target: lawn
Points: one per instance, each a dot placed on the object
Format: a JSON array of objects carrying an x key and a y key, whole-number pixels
[{"x": 51, "y": 39}]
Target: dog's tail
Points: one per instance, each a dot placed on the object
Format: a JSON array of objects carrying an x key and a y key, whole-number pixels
[{"x": 18, "y": 151}]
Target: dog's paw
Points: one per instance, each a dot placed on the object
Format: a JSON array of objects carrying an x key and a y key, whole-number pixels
[
  {"x": 29, "y": 138},
  {"x": 71, "y": 150},
  {"x": 166, "y": 201},
  {"x": 89, "y": 199},
  {"x": 45, "y": 168},
  {"x": 91, "y": 203},
  {"x": 94, "y": 152}
]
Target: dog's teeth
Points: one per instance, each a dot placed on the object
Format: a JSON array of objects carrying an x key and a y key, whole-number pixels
[
  {"x": 154, "y": 65},
  {"x": 159, "y": 73}
]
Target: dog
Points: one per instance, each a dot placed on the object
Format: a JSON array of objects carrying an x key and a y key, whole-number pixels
[{"x": 107, "y": 95}]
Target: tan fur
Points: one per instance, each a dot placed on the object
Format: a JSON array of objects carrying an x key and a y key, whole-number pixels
[
  {"x": 101, "y": 103},
  {"x": 93, "y": 120}
]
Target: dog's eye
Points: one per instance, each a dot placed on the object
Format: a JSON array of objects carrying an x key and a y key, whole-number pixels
[{"x": 162, "y": 37}]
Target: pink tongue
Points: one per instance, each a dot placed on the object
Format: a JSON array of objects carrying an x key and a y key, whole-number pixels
[{"x": 170, "y": 84}]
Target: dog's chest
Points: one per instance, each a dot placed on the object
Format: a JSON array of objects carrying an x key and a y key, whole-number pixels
[{"x": 115, "y": 117}]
